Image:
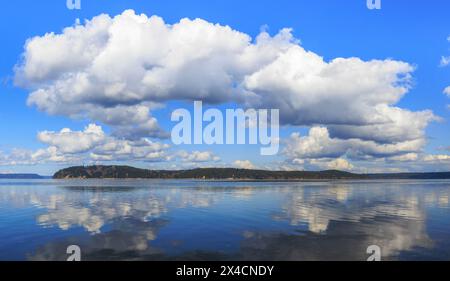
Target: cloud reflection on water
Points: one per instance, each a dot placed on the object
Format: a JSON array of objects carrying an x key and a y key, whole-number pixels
[{"x": 298, "y": 221}]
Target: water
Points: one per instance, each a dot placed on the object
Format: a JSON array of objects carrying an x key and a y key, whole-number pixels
[{"x": 196, "y": 220}]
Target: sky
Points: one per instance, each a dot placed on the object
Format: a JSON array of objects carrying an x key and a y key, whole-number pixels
[{"x": 357, "y": 89}]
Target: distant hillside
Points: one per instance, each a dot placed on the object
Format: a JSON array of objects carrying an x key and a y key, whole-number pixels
[
  {"x": 21, "y": 176},
  {"x": 126, "y": 172},
  {"x": 208, "y": 173},
  {"x": 417, "y": 176}
]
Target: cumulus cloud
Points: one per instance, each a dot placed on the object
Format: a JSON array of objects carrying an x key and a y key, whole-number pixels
[
  {"x": 339, "y": 164},
  {"x": 114, "y": 65},
  {"x": 116, "y": 70},
  {"x": 437, "y": 158},
  {"x": 319, "y": 144},
  {"x": 404, "y": 125},
  {"x": 405, "y": 157},
  {"x": 351, "y": 156},
  {"x": 419, "y": 162},
  {"x": 125, "y": 150},
  {"x": 68, "y": 141},
  {"x": 102, "y": 147},
  {"x": 244, "y": 164},
  {"x": 92, "y": 145},
  {"x": 197, "y": 156},
  {"x": 131, "y": 122},
  {"x": 30, "y": 157}
]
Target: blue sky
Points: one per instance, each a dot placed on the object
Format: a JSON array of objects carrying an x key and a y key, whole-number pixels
[{"x": 414, "y": 32}]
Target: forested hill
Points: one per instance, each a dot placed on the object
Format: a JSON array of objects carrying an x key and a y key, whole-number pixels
[{"x": 127, "y": 172}]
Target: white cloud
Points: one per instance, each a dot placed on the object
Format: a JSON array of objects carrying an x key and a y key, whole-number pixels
[
  {"x": 319, "y": 151},
  {"x": 29, "y": 157},
  {"x": 437, "y": 158},
  {"x": 68, "y": 141},
  {"x": 130, "y": 61},
  {"x": 244, "y": 164},
  {"x": 116, "y": 70},
  {"x": 125, "y": 150},
  {"x": 340, "y": 164},
  {"x": 97, "y": 146},
  {"x": 405, "y": 157},
  {"x": 132, "y": 122},
  {"x": 318, "y": 144},
  {"x": 92, "y": 145},
  {"x": 419, "y": 162},
  {"x": 410, "y": 162},
  {"x": 197, "y": 156},
  {"x": 403, "y": 125}
]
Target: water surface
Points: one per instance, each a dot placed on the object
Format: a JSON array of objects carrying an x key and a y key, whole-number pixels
[{"x": 203, "y": 220}]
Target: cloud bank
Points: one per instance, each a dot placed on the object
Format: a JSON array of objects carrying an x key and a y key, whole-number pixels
[
  {"x": 118, "y": 70},
  {"x": 93, "y": 145}
]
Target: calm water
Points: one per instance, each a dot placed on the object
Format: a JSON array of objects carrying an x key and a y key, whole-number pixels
[{"x": 191, "y": 220}]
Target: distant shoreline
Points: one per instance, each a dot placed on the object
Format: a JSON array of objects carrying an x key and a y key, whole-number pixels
[
  {"x": 232, "y": 175},
  {"x": 250, "y": 180},
  {"x": 221, "y": 175},
  {"x": 228, "y": 180},
  {"x": 23, "y": 176}
]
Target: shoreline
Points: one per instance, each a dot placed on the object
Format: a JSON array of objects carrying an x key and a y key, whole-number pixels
[
  {"x": 253, "y": 180},
  {"x": 231, "y": 174}
]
